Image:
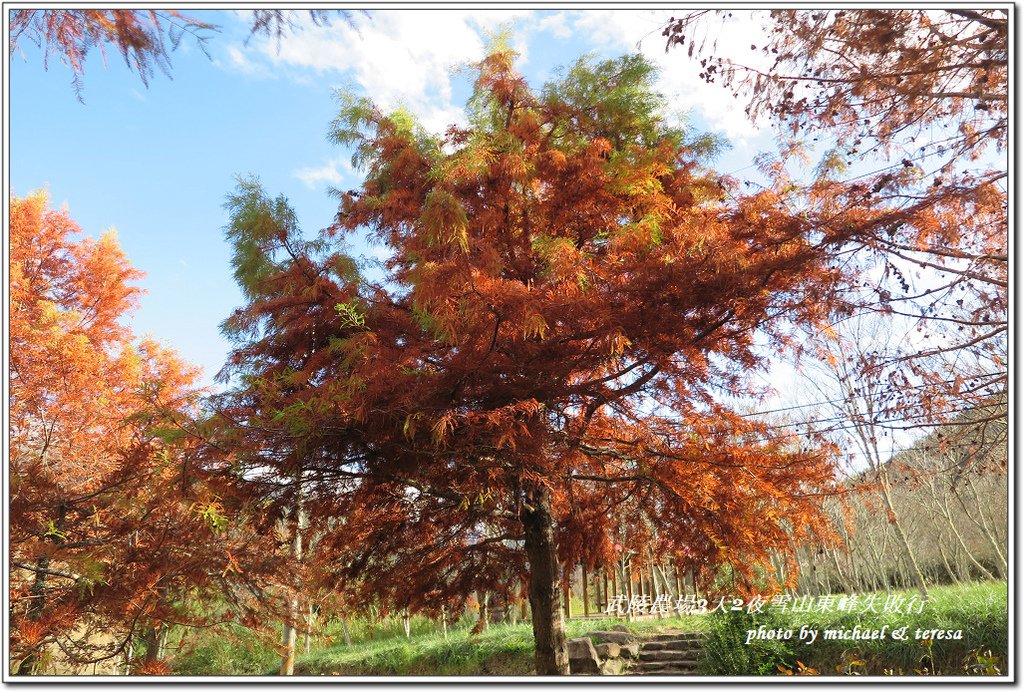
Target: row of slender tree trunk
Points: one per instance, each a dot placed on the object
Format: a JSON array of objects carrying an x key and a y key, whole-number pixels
[{"x": 957, "y": 533}]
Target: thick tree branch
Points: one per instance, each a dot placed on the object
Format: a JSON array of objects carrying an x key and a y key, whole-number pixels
[{"x": 50, "y": 571}]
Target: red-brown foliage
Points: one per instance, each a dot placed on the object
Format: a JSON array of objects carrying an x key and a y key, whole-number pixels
[
  {"x": 569, "y": 296},
  {"x": 107, "y": 530}
]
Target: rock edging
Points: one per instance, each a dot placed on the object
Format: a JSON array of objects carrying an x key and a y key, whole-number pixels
[{"x": 619, "y": 650}]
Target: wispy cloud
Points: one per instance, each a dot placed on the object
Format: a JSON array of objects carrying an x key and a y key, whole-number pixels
[
  {"x": 316, "y": 176},
  {"x": 236, "y": 59},
  {"x": 555, "y": 24},
  {"x": 405, "y": 58},
  {"x": 408, "y": 58},
  {"x": 635, "y": 30}
]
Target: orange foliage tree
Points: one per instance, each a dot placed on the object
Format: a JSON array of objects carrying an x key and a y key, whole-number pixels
[
  {"x": 570, "y": 302},
  {"x": 106, "y": 532}
]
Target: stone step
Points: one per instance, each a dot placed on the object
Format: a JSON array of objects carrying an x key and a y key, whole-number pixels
[
  {"x": 667, "y": 656},
  {"x": 614, "y": 637},
  {"x": 676, "y": 636},
  {"x": 671, "y": 671},
  {"x": 665, "y": 668},
  {"x": 678, "y": 645}
]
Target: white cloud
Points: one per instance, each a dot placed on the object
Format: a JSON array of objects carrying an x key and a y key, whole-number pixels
[
  {"x": 399, "y": 58},
  {"x": 617, "y": 29},
  {"x": 238, "y": 58},
  {"x": 491, "y": 20},
  {"x": 240, "y": 61},
  {"x": 633, "y": 30},
  {"x": 555, "y": 24},
  {"x": 409, "y": 58},
  {"x": 314, "y": 177}
]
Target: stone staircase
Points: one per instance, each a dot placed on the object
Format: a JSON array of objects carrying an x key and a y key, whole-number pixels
[{"x": 672, "y": 653}]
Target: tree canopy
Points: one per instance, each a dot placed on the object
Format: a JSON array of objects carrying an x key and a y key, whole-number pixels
[
  {"x": 107, "y": 525},
  {"x": 571, "y": 299}
]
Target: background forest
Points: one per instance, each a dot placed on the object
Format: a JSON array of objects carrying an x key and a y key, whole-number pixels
[{"x": 581, "y": 361}]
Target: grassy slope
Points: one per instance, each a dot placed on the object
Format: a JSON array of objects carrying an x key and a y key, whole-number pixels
[
  {"x": 980, "y": 610},
  {"x": 501, "y": 650}
]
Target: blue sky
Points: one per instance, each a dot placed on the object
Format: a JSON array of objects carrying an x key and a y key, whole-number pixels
[{"x": 156, "y": 163}]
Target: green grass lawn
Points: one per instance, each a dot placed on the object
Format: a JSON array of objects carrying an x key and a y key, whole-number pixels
[
  {"x": 979, "y": 610},
  {"x": 500, "y": 650}
]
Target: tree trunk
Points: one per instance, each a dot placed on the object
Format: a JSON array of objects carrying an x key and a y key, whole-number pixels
[
  {"x": 586, "y": 591},
  {"x": 129, "y": 654},
  {"x": 661, "y": 573},
  {"x": 567, "y": 595},
  {"x": 155, "y": 636},
  {"x": 961, "y": 565},
  {"x": 288, "y": 637},
  {"x": 30, "y": 665},
  {"x": 1002, "y": 565},
  {"x": 37, "y": 602},
  {"x": 653, "y": 581},
  {"x": 877, "y": 574},
  {"x": 155, "y": 639},
  {"x": 483, "y": 611},
  {"x": 908, "y": 552},
  {"x": 627, "y": 579},
  {"x": 308, "y": 634},
  {"x": 290, "y": 632},
  {"x": 851, "y": 551},
  {"x": 841, "y": 576},
  {"x": 944, "y": 507},
  {"x": 550, "y": 653},
  {"x": 604, "y": 580},
  {"x": 945, "y": 561}
]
